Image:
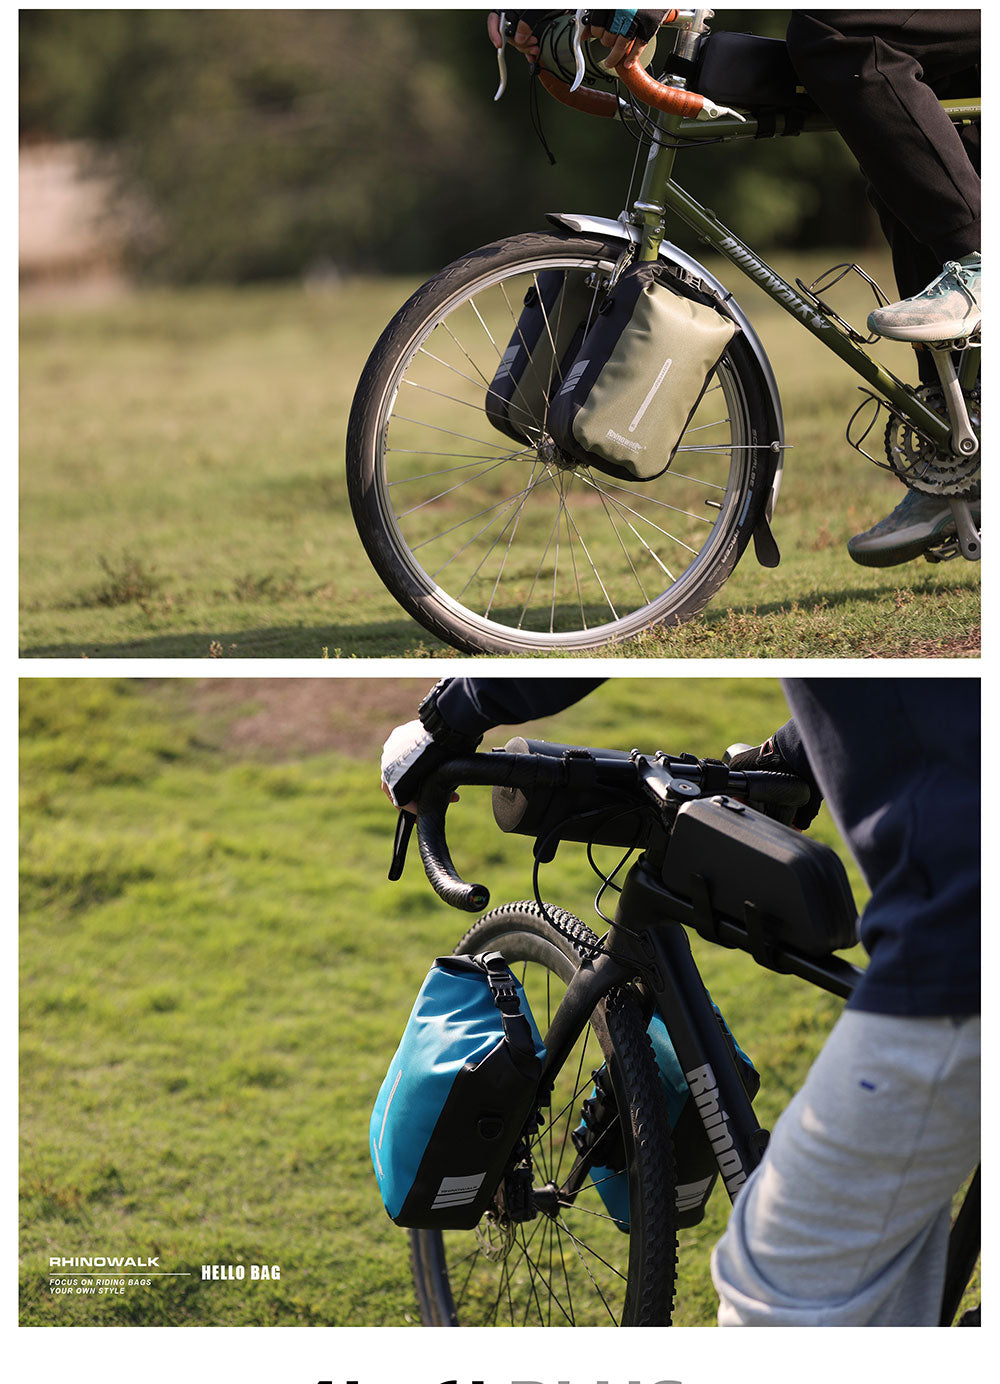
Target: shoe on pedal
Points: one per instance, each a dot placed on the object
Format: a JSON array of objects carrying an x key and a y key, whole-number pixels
[
  {"x": 917, "y": 523},
  {"x": 948, "y": 308}
]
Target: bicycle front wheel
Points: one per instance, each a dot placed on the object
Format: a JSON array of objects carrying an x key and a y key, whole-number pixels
[
  {"x": 570, "y": 1263},
  {"x": 498, "y": 545}
]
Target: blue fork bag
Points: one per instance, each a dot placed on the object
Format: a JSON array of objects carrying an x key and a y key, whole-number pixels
[
  {"x": 695, "y": 1160},
  {"x": 457, "y": 1096}
]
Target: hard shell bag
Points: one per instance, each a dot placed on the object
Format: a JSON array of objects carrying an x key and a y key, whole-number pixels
[
  {"x": 639, "y": 374},
  {"x": 694, "y": 1158},
  {"x": 458, "y": 1094},
  {"x": 738, "y": 863},
  {"x": 548, "y": 331}
]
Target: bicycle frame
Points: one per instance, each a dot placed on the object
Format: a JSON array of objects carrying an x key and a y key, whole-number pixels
[
  {"x": 660, "y": 195},
  {"x": 648, "y": 942}
]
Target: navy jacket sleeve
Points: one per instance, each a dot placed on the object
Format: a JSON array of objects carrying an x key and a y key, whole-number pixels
[{"x": 473, "y": 706}]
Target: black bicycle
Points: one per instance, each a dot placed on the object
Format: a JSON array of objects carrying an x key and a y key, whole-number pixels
[{"x": 582, "y": 1229}]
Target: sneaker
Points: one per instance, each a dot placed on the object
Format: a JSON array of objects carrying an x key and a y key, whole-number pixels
[
  {"x": 917, "y": 523},
  {"x": 948, "y": 308}
]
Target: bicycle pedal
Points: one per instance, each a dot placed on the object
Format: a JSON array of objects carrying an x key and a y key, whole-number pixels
[{"x": 943, "y": 552}]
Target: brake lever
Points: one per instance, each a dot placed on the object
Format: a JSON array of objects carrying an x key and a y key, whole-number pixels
[
  {"x": 405, "y": 823},
  {"x": 501, "y": 59},
  {"x": 578, "y": 49}
]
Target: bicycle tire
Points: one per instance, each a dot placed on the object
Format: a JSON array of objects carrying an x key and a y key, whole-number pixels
[
  {"x": 570, "y": 1265},
  {"x": 498, "y": 547}
]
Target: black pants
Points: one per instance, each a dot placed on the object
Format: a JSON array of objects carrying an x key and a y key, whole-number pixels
[{"x": 878, "y": 74}]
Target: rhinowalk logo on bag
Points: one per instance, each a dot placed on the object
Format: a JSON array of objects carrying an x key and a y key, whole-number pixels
[{"x": 457, "y": 1191}]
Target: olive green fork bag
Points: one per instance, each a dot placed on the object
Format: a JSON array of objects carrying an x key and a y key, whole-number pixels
[{"x": 639, "y": 374}]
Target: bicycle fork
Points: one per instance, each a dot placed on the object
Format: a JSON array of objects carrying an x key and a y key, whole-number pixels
[
  {"x": 661, "y": 955},
  {"x": 661, "y": 949}
]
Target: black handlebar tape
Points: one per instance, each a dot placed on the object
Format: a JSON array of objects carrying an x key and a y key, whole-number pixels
[
  {"x": 444, "y": 878},
  {"x": 435, "y": 796},
  {"x": 530, "y": 771}
]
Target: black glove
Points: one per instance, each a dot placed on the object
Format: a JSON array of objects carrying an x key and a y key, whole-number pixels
[
  {"x": 535, "y": 19},
  {"x": 768, "y": 756},
  {"x": 627, "y": 23}
]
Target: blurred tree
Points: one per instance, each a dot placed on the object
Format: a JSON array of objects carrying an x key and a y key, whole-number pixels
[{"x": 257, "y": 144}]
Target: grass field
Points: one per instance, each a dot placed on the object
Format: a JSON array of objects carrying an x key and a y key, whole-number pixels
[
  {"x": 183, "y": 492},
  {"x": 215, "y": 972}
]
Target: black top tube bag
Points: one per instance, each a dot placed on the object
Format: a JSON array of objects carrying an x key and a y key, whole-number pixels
[
  {"x": 639, "y": 374},
  {"x": 753, "y": 74}
]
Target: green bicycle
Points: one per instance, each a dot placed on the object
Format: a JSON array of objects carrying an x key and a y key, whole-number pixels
[{"x": 500, "y": 544}]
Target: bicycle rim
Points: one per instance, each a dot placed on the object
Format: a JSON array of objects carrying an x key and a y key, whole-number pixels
[
  {"x": 570, "y": 1265},
  {"x": 503, "y": 544}
]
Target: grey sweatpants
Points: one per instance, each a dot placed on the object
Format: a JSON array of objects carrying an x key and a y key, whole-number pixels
[{"x": 845, "y": 1222}]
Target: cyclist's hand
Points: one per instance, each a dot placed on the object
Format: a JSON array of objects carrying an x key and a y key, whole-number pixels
[
  {"x": 768, "y": 756},
  {"x": 409, "y": 755},
  {"x": 524, "y": 38},
  {"x": 623, "y": 31},
  {"x": 401, "y": 763}
]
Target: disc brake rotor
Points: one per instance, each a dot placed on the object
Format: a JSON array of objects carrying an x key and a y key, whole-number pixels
[
  {"x": 495, "y": 1240},
  {"x": 924, "y": 467}
]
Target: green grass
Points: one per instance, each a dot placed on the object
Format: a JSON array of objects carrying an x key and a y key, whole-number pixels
[
  {"x": 183, "y": 492},
  {"x": 215, "y": 972}
]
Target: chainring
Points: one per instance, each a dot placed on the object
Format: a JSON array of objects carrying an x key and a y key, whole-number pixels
[{"x": 920, "y": 465}]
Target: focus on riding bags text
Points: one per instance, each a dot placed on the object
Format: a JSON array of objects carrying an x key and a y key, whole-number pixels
[
  {"x": 457, "y": 1096},
  {"x": 639, "y": 374}
]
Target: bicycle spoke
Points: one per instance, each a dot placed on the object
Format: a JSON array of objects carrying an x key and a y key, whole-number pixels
[
  {"x": 516, "y": 519},
  {"x": 436, "y": 427},
  {"x": 698, "y": 519},
  {"x": 597, "y": 574},
  {"x": 450, "y": 490},
  {"x": 510, "y": 544},
  {"x": 501, "y": 504},
  {"x": 440, "y": 394},
  {"x": 515, "y": 537},
  {"x": 576, "y": 1245},
  {"x": 625, "y": 552}
]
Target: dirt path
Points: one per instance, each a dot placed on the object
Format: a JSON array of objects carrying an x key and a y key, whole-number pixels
[{"x": 286, "y": 718}]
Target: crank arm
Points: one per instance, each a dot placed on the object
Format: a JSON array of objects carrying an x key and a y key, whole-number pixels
[
  {"x": 963, "y": 439},
  {"x": 969, "y": 540}
]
